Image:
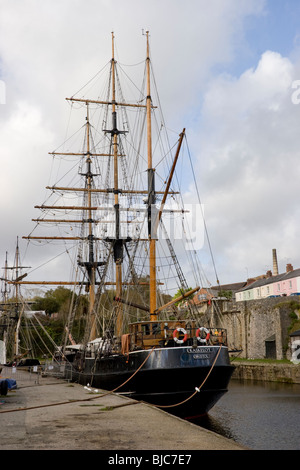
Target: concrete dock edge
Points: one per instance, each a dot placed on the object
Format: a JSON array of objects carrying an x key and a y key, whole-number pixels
[{"x": 57, "y": 415}]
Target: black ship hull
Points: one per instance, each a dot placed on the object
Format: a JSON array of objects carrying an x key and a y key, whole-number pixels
[{"x": 169, "y": 377}]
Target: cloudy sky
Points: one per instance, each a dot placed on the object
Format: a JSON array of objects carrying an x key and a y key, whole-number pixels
[{"x": 226, "y": 70}]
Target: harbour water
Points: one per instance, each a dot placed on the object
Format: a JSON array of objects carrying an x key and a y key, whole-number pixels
[{"x": 258, "y": 415}]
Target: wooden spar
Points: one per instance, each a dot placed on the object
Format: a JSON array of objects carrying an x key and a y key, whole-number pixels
[
  {"x": 178, "y": 299},
  {"x": 172, "y": 302},
  {"x": 132, "y": 304},
  {"x": 81, "y": 154},
  {"x": 97, "y": 190},
  {"x": 65, "y": 221},
  {"x": 133, "y": 105},
  {"x": 171, "y": 173},
  {"x": 151, "y": 189},
  {"x": 81, "y": 221},
  {"x": 30, "y": 237},
  {"x": 77, "y": 208},
  {"x": 102, "y": 208},
  {"x": 169, "y": 181}
]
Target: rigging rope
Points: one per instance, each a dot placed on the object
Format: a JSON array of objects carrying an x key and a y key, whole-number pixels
[{"x": 205, "y": 226}]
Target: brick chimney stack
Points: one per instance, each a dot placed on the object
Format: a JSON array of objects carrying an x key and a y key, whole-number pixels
[
  {"x": 275, "y": 264},
  {"x": 289, "y": 268}
]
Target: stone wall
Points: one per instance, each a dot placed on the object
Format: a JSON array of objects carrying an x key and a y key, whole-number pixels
[
  {"x": 250, "y": 324},
  {"x": 285, "y": 373}
]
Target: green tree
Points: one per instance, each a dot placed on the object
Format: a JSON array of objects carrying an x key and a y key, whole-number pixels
[
  {"x": 225, "y": 293},
  {"x": 48, "y": 304},
  {"x": 54, "y": 301},
  {"x": 179, "y": 293}
]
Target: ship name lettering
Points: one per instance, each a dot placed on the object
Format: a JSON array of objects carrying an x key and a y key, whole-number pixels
[
  {"x": 200, "y": 356},
  {"x": 198, "y": 350}
]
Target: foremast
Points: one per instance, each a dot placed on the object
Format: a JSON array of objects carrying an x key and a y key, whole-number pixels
[{"x": 91, "y": 265}]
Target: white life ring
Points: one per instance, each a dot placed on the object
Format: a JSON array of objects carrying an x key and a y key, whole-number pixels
[
  {"x": 203, "y": 340},
  {"x": 177, "y": 340}
]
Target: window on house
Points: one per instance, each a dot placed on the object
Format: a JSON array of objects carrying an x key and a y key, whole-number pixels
[
  {"x": 290, "y": 283},
  {"x": 278, "y": 286}
]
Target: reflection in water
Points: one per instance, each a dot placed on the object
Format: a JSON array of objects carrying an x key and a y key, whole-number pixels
[
  {"x": 216, "y": 425},
  {"x": 258, "y": 415}
]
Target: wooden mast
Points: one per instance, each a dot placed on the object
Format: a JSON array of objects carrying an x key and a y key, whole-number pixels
[
  {"x": 16, "y": 344},
  {"x": 5, "y": 299},
  {"x": 118, "y": 249},
  {"x": 151, "y": 195},
  {"x": 91, "y": 263},
  {"x": 17, "y": 294}
]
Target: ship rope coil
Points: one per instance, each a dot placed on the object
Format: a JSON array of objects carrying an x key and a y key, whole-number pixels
[
  {"x": 200, "y": 338},
  {"x": 176, "y": 339}
]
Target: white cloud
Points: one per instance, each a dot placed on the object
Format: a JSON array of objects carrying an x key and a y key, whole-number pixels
[
  {"x": 23, "y": 145},
  {"x": 250, "y": 146}
]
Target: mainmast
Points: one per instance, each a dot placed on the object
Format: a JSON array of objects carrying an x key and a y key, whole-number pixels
[
  {"x": 118, "y": 245},
  {"x": 151, "y": 196}
]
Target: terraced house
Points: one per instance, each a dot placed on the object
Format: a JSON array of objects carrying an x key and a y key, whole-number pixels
[{"x": 269, "y": 285}]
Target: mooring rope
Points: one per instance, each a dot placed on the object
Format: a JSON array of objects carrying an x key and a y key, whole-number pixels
[
  {"x": 197, "y": 389},
  {"x": 82, "y": 399}
]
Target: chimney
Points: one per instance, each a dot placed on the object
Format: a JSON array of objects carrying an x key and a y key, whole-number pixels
[
  {"x": 275, "y": 264},
  {"x": 269, "y": 274},
  {"x": 289, "y": 268}
]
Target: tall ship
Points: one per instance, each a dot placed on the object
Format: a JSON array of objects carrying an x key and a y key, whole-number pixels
[{"x": 143, "y": 335}]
